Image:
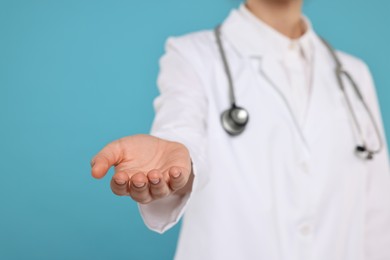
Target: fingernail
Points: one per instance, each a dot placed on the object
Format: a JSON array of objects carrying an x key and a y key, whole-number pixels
[
  {"x": 155, "y": 181},
  {"x": 92, "y": 163},
  {"x": 139, "y": 184},
  {"x": 176, "y": 174},
  {"x": 120, "y": 181}
]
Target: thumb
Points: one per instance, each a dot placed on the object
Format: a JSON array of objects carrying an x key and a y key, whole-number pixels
[{"x": 110, "y": 155}]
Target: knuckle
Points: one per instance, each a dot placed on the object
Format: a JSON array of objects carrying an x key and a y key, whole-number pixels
[
  {"x": 139, "y": 196},
  {"x": 177, "y": 186},
  {"x": 177, "y": 183},
  {"x": 159, "y": 193},
  {"x": 139, "y": 189},
  {"x": 144, "y": 200},
  {"x": 116, "y": 192}
]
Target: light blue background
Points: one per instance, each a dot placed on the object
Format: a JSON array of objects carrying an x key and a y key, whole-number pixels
[{"x": 75, "y": 75}]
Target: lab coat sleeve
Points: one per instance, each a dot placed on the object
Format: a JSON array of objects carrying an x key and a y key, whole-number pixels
[
  {"x": 377, "y": 230},
  {"x": 180, "y": 115}
]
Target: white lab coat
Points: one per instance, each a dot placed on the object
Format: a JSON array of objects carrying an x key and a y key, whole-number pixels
[{"x": 277, "y": 191}]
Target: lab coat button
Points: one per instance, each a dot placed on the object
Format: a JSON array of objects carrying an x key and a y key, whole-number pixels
[{"x": 305, "y": 230}]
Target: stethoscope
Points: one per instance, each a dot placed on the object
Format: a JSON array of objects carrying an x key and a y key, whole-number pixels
[{"x": 235, "y": 118}]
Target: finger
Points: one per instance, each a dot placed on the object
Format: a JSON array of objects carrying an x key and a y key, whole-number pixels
[
  {"x": 178, "y": 177},
  {"x": 119, "y": 184},
  {"x": 110, "y": 155},
  {"x": 158, "y": 186},
  {"x": 139, "y": 188}
]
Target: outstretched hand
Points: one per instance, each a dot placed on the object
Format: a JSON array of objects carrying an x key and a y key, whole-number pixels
[{"x": 146, "y": 167}]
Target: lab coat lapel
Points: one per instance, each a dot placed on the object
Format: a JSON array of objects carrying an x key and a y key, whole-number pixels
[{"x": 273, "y": 73}]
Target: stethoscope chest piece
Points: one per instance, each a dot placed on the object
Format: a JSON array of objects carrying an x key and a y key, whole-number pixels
[{"x": 234, "y": 120}]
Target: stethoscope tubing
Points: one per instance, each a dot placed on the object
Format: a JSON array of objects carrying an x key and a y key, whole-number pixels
[{"x": 339, "y": 71}]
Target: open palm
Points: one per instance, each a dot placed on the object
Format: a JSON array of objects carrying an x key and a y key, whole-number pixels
[{"x": 146, "y": 167}]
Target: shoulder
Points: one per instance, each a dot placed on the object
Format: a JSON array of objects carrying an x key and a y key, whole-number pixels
[
  {"x": 360, "y": 72},
  {"x": 187, "y": 56},
  {"x": 190, "y": 53},
  {"x": 348, "y": 60},
  {"x": 193, "y": 45},
  {"x": 353, "y": 63},
  {"x": 355, "y": 66},
  {"x": 358, "y": 69},
  {"x": 196, "y": 40}
]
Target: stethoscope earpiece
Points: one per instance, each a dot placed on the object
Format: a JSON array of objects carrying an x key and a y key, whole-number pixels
[
  {"x": 362, "y": 152},
  {"x": 234, "y": 120},
  {"x": 360, "y": 148}
]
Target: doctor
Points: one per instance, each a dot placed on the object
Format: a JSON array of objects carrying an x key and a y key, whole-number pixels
[{"x": 291, "y": 185}]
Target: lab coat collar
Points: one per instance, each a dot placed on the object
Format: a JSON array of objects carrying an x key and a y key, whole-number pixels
[{"x": 246, "y": 33}]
